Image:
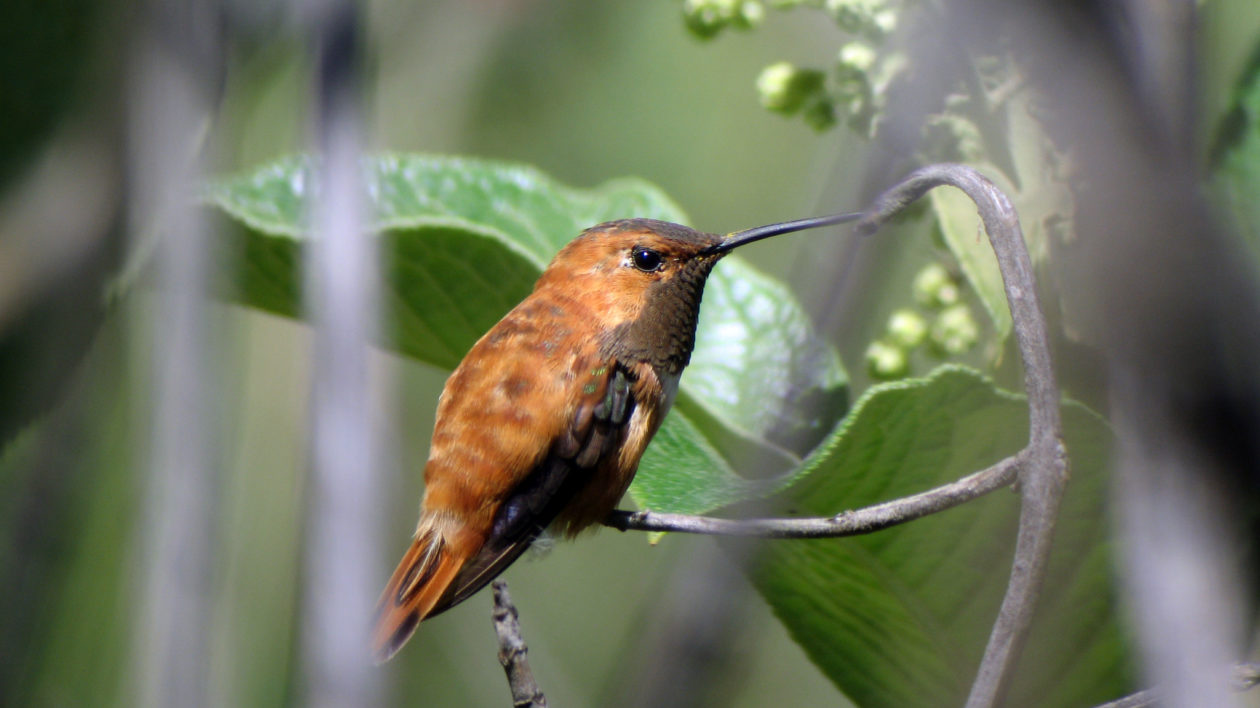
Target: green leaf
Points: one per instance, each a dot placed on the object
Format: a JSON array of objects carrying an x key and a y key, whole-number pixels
[
  {"x": 464, "y": 240},
  {"x": 901, "y": 617},
  {"x": 754, "y": 343},
  {"x": 964, "y": 235},
  {"x": 709, "y": 482}
]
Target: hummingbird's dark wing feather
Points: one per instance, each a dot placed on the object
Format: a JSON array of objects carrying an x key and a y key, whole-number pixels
[
  {"x": 414, "y": 588},
  {"x": 596, "y": 427}
]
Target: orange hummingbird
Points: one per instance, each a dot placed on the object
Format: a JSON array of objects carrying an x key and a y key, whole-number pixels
[{"x": 544, "y": 421}]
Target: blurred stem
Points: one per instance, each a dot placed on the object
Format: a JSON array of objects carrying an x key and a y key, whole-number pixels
[
  {"x": 1246, "y": 676},
  {"x": 341, "y": 289},
  {"x": 172, "y": 91}
]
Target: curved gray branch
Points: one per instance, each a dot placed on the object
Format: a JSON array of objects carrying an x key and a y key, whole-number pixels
[
  {"x": 847, "y": 523},
  {"x": 1042, "y": 480},
  {"x": 1041, "y": 468}
]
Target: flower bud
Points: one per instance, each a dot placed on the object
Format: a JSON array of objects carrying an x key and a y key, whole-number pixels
[
  {"x": 784, "y": 88},
  {"x": 955, "y": 331},
  {"x": 933, "y": 287},
  {"x": 907, "y": 328},
  {"x": 886, "y": 361}
]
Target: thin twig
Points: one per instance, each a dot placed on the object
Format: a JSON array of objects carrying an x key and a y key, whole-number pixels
[
  {"x": 1246, "y": 676},
  {"x": 847, "y": 523},
  {"x": 1141, "y": 699},
  {"x": 513, "y": 652}
]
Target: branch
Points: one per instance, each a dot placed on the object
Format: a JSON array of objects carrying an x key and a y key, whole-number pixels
[
  {"x": 1246, "y": 676},
  {"x": 1041, "y": 466},
  {"x": 512, "y": 652},
  {"x": 1042, "y": 481},
  {"x": 846, "y": 523}
]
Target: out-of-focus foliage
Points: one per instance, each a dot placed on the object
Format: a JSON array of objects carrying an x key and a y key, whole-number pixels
[
  {"x": 851, "y": 92},
  {"x": 43, "y": 51},
  {"x": 889, "y": 621},
  {"x": 48, "y": 147},
  {"x": 602, "y": 95},
  {"x": 990, "y": 120}
]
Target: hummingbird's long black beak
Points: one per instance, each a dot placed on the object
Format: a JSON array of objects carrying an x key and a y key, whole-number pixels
[{"x": 739, "y": 238}]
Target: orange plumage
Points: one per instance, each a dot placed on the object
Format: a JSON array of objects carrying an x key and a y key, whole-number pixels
[{"x": 546, "y": 418}]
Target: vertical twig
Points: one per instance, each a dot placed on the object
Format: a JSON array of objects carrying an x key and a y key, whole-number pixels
[
  {"x": 341, "y": 532},
  {"x": 1043, "y": 472},
  {"x": 513, "y": 654},
  {"x": 171, "y": 94}
]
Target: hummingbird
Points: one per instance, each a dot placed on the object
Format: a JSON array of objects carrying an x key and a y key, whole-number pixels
[{"x": 545, "y": 420}]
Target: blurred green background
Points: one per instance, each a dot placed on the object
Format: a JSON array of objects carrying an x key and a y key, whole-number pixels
[{"x": 586, "y": 91}]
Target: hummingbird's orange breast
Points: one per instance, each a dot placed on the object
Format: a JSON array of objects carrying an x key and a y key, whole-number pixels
[{"x": 505, "y": 403}]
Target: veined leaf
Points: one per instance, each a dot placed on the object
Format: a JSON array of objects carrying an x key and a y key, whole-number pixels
[{"x": 901, "y": 617}]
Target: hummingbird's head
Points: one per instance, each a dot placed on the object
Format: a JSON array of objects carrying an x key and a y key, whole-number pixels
[
  {"x": 642, "y": 279},
  {"x": 631, "y": 256}
]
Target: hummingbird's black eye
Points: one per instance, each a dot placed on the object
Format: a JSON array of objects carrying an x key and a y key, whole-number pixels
[{"x": 646, "y": 260}]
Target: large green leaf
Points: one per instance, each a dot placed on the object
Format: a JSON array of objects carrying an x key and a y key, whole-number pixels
[
  {"x": 900, "y": 618},
  {"x": 464, "y": 241}
]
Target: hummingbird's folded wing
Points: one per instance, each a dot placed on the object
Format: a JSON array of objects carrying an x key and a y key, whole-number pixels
[{"x": 596, "y": 428}]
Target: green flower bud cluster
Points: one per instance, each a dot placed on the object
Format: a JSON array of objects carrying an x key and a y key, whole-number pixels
[
  {"x": 955, "y": 331},
  {"x": 786, "y": 89},
  {"x": 706, "y": 18},
  {"x": 870, "y": 18},
  {"x": 852, "y": 92},
  {"x": 943, "y": 322},
  {"x": 887, "y": 362},
  {"x": 849, "y": 93},
  {"x": 935, "y": 288}
]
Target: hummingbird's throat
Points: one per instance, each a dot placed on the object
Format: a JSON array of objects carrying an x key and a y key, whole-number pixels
[{"x": 664, "y": 333}]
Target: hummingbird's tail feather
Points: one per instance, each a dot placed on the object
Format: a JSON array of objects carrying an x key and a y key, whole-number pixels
[{"x": 421, "y": 579}]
